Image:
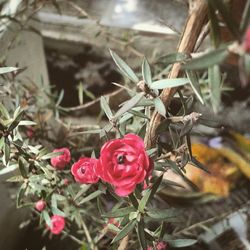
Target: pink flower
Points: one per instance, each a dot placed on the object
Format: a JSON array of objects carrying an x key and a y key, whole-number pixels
[
  {"x": 246, "y": 40},
  {"x": 84, "y": 170},
  {"x": 161, "y": 245},
  {"x": 60, "y": 161},
  {"x": 40, "y": 205},
  {"x": 57, "y": 224},
  {"x": 124, "y": 163}
]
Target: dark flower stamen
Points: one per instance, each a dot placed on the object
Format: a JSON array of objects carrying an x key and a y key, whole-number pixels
[{"x": 120, "y": 159}]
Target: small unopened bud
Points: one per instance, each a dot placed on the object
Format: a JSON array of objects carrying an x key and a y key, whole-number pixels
[{"x": 40, "y": 205}]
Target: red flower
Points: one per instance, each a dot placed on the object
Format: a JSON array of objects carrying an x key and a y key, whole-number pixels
[
  {"x": 124, "y": 163},
  {"x": 60, "y": 161},
  {"x": 84, "y": 170},
  {"x": 40, "y": 205},
  {"x": 57, "y": 224},
  {"x": 246, "y": 40}
]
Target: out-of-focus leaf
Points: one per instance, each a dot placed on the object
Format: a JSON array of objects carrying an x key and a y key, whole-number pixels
[
  {"x": 159, "y": 106},
  {"x": 214, "y": 82},
  {"x": 226, "y": 15},
  {"x": 241, "y": 141},
  {"x": 8, "y": 169},
  {"x": 181, "y": 242},
  {"x": 194, "y": 82},
  {"x": 245, "y": 17},
  {"x": 169, "y": 83},
  {"x": 119, "y": 212},
  {"x": 125, "y": 231},
  {"x": 4, "y": 70},
  {"x": 209, "y": 59},
  {"x": 4, "y": 111},
  {"x": 105, "y": 107},
  {"x": 124, "y": 68},
  {"x": 129, "y": 104},
  {"x": 26, "y": 123},
  {"x": 146, "y": 72},
  {"x": 17, "y": 178}
]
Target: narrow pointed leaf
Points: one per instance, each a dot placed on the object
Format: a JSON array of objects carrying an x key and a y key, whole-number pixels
[
  {"x": 129, "y": 104},
  {"x": 207, "y": 60},
  {"x": 169, "y": 83},
  {"x": 163, "y": 214},
  {"x": 119, "y": 212},
  {"x": 16, "y": 121},
  {"x": 159, "y": 106},
  {"x": 4, "y": 111},
  {"x": 141, "y": 235},
  {"x": 125, "y": 231},
  {"x": 51, "y": 155},
  {"x": 146, "y": 72},
  {"x": 173, "y": 58},
  {"x": 194, "y": 82},
  {"x": 4, "y": 70},
  {"x": 124, "y": 68},
  {"x": 6, "y": 150},
  {"x": 20, "y": 195},
  {"x": 245, "y": 17},
  {"x": 91, "y": 196},
  {"x": 181, "y": 242},
  {"x": 22, "y": 167},
  {"x": 8, "y": 169},
  {"x": 105, "y": 107}
]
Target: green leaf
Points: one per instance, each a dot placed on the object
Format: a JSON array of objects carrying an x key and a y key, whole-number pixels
[
  {"x": 141, "y": 234},
  {"x": 51, "y": 155},
  {"x": 22, "y": 168},
  {"x": 105, "y": 107},
  {"x": 226, "y": 15},
  {"x": 124, "y": 68},
  {"x": 181, "y": 242},
  {"x": 6, "y": 151},
  {"x": 149, "y": 194},
  {"x": 60, "y": 98},
  {"x": 173, "y": 58},
  {"x": 214, "y": 83},
  {"x": 159, "y": 106},
  {"x": 129, "y": 104},
  {"x": 20, "y": 195},
  {"x": 146, "y": 72},
  {"x": 207, "y": 60},
  {"x": 119, "y": 212},
  {"x": 8, "y": 169},
  {"x": 91, "y": 196},
  {"x": 163, "y": 214},
  {"x": 26, "y": 123},
  {"x": 125, "y": 231},
  {"x": 17, "y": 178},
  {"x": 214, "y": 26},
  {"x": 194, "y": 82},
  {"x": 245, "y": 17},
  {"x": 4, "y": 70},
  {"x": 16, "y": 121},
  {"x": 169, "y": 83},
  {"x": 46, "y": 217},
  {"x": 4, "y": 111}
]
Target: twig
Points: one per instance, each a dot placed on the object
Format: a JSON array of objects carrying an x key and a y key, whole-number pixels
[{"x": 195, "y": 21}]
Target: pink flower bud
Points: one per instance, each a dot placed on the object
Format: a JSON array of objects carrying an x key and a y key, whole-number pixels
[
  {"x": 60, "y": 161},
  {"x": 40, "y": 205},
  {"x": 30, "y": 132}
]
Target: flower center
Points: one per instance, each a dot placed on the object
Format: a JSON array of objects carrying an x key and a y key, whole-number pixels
[
  {"x": 120, "y": 159},
  {"x": 83, "y": 170}
]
